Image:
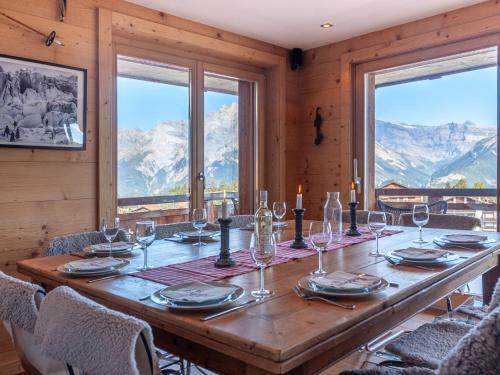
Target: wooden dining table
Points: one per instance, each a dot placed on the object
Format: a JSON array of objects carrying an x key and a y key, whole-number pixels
[{"x": 283, "y": 334}]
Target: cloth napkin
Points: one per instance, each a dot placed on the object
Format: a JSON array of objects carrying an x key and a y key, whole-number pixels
[
  {"x": 116, "y": 246},
  {"x": 346, "y": 281},
  {"x": 198, "y": 292},
  {"x": 420, "y": 254},
  {"x": 93, "y": 264}
]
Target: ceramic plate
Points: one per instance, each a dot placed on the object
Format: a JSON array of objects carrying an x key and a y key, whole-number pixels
[
  {"x": 157, "y": 298},
  {"x": 449, "y": 257},
  {"x": 305, "y": 283},
  {"x": 464, "y": 238},
  {"x": 444, "y": 241},
  {"x": 68, "y": 272}
]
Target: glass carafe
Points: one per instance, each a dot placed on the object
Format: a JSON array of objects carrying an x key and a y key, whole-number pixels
[{"x": 332, "y": 213}]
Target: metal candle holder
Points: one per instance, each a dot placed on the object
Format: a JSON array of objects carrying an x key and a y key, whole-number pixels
[
  {"x": 298, "y": 243},
  {"x": 353, "y": 229},
  {"x": 224, "y": 259}
]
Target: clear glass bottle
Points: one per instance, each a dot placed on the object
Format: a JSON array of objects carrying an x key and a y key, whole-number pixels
[
  {"x": 332, "y": 213},
  {"x": 263, "y": 220}
]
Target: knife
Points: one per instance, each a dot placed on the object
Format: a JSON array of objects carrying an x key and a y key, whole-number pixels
[{"x": 221, "y": 313}]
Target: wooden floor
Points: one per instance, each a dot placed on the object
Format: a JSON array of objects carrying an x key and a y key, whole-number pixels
[{"x": 10, "y": 365}]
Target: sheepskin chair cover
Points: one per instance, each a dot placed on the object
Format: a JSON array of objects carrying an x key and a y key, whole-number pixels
[
  {"x": 89, "y": 336},
  {"x": 17, "y": 302}
]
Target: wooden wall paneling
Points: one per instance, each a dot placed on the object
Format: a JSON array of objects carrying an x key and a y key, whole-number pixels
[
  {"x": 246, "y": 145},
  {"x": 107, "y": 156}
]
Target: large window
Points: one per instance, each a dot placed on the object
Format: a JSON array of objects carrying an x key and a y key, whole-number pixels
[
  {"x": 430, "y": 132},
  {"x": 178, "y": 139}
]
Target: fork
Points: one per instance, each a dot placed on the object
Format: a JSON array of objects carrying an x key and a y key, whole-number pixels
[{"x": 308, "y": 297}]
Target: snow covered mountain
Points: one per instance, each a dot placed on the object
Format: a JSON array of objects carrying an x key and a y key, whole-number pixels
[
  {"x": 431, "y": 156},
  {"x": 156, "y": 161}
]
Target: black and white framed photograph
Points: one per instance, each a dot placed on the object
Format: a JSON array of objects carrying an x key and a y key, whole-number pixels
[{"x": 42, "y": 105}]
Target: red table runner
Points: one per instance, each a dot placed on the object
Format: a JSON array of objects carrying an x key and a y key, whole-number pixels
[{"x": 204, "y": 270}]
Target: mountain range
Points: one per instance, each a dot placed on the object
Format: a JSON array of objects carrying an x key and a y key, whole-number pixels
[
  {"x": 156, "y": 161},
  {"x": 435, "y": 156}
]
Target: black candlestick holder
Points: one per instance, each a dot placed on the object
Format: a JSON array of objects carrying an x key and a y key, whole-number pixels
[
  {"x": 299, "y": 242},
  {"x": 353, "y": 229},
  {"x": 224, "y": 259}
]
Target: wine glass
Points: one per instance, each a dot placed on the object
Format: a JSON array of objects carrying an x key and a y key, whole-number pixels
[
  {"x": 145, "y": 236},
  {"x": 110, "y": 230},
  {"x": 320, "y": 236},
  {"x": 199, "y": 222},
  {"x": 279, "y": 211},
  {"x": 263, "y": 251},
  {"x": 376, "y": 222},
  {"x": 420, "y": 218}
]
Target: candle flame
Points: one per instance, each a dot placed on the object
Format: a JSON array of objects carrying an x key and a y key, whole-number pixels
[
  {"x": 300, "y": 189},
  {"x": 224, "y": 194},
  {"x": 353, "y": 186}
]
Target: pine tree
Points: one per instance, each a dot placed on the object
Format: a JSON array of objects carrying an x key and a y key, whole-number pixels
[
  {"x": 6, "y": 132},
  {"x": 18, "y": 135},
  {"x": 12, "y": 137}
]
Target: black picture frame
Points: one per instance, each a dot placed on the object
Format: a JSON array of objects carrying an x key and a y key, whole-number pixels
[{"x": 52, "y": 115}]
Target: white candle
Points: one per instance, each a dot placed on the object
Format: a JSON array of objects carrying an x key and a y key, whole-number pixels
[
  {"x": 225, "y": 211},
  {"x": 353, "y": 193},
  {"x": 355, "y": 169},
  {"x": 298, "y": 204}
]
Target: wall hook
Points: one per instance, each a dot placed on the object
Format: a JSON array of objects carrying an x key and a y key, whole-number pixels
[{"x": 318, "y": 120}]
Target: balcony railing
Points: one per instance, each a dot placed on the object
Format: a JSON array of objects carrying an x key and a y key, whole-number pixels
[{"x": 140, "y": 201}]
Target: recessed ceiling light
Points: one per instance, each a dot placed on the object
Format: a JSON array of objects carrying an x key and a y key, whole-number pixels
[{"x": 326, "y": 25}]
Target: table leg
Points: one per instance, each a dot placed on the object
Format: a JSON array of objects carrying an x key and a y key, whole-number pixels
[{"x": 490, "y": 279}]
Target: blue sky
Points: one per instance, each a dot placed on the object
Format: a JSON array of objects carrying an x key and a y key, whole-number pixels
[
  {"x": 452, "y": 98},
  {"x": 142, "y": 104}
]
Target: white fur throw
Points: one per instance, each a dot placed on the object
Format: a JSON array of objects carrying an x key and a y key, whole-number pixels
[
  {"x": 478, "y": 353},
  {"x": 17, "y": 302},
  {"x": 495, "y": 298},
  {"x": 89, "y": 336}
]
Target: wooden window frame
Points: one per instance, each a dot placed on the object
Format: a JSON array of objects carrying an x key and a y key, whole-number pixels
[
  {"x": 363, "y": 103},
  {"x": 119, "y": 33}
]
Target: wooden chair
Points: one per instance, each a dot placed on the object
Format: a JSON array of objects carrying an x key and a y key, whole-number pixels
[
  {"x": 439, "y": 207},
  {"x": 362, "y": 217},
  {"x": 240, "y": 221},
  {"x": 74, "y": 243},
  {"x": 444, "y": 222}
]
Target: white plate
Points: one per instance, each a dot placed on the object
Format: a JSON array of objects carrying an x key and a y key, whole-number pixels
[
  {"x": 198, "y": 290},
  {"x": 451, "y": 257},
  {"x": 421, "y": 251},
  {"x": 444, "y": 241},
  {"x": 195, "y": 234},
  {"x": 157, "y": 298},
  {"x": 68, "y": 272},
  {"x": 464, "y": 238},
  {"x": 305, "y": 284}
]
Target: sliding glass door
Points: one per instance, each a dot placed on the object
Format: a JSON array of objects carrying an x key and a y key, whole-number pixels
[
  {"x": 426, "y": 129},
  {"x": 185, "y": 138}
]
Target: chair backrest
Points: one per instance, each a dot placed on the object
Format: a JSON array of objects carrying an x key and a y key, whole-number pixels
[
  {"x": 362, "y": 217},
  {"x": 98, "y": 340},
  {"x": 74, "y": 243},
  {"x": 240, "y": 221},
  {"x": 444, "y": 221},
  {"x": 439, "y": 207},
  {"x": 28, "y": 351},
  {"x": 168, "y": 230},
  {"x": 478, "y": 351}
]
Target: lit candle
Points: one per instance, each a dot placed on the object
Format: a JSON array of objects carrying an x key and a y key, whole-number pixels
[
  {"x": 225, "y": 212},
  {"x": 299, "y": 198},
  {"x": 353, "y": 193},
  {"x": 355, "y": 169}
]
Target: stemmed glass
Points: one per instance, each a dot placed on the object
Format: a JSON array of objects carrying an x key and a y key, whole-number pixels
[
  {"x": 199, "y": 222},
  {"x": 145, "y": 236},
  {"x": 376, "y": 222},
  {"x": 320, "y": 236},
  {"x": 263, "y": 251},
  {"x": 279, "y": 211},
  {"x": 420, "y": 218},
  {"x": 110, "y": 230}
]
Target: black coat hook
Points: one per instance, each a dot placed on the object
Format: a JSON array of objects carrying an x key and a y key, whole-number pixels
[{"x": 317, "y": 124}]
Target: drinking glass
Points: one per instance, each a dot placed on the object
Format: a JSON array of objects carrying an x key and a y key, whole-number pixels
[
  {"x": 110, "y": 229},
  {"x": 320, "y": 236},
  {"x": 420, "y": 218},
  {"x": 376, "y": 222},
  {"x": 199, "y": 222},
  {"x": 145, "y": 235},
  {"x": 279, "y": 211},
  {"x": 263, "y": 251}
]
